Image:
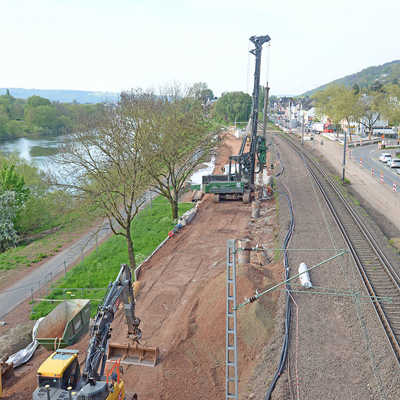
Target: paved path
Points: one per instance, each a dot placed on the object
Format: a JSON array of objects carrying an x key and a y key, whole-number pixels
[
  {"x": 33, "y": 281},
  {"x": 24, "y": 288}
]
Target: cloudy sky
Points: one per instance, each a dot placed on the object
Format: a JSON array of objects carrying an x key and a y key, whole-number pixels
[{"x": 105, "y": 45}]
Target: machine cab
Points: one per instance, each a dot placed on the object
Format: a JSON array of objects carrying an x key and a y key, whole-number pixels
[{"x": 60, "y": 370}]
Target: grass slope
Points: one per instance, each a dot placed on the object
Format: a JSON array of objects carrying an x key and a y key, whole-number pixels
[{"x": 90, "y": 277}]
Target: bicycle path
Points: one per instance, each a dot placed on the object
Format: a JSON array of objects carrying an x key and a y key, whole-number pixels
[{"x": 33, "y": 281}]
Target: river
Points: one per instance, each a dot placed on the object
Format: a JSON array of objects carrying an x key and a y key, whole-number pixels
[{"x": 34, "y": 150}]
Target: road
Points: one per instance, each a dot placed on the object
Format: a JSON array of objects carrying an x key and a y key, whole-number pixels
[{"x": 369, "y": 155}]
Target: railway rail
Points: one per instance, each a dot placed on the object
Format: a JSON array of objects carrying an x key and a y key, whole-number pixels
[{"x": 378, "y": 275}]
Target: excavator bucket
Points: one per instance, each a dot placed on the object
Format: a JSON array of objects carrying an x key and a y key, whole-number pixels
[{"x": 133, "y": 354}]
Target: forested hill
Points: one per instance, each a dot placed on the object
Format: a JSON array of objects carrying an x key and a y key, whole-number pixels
[
  {"x": 385, "y": 73},
  {"x": 63, "y": 96}
]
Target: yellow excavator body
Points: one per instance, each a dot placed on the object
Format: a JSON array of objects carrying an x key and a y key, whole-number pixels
[
  {"x": 56, "y": 364},
  {"x": 118, "y": 392}
]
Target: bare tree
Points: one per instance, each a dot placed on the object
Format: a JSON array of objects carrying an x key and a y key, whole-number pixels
[
  {"x": 181, "y": 142},
  {"x": 108, "y": 164}
]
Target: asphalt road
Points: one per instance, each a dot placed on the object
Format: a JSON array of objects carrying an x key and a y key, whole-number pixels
[{"x": 370, "y": 159}]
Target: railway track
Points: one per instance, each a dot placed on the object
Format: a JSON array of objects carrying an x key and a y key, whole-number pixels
[{"x": 379, "y": 277}]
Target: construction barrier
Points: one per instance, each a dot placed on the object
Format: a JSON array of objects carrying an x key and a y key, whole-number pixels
[
  {"x": 361, "y": 162},
  {"x": 394, "y": 187},
  {"x": 372, "y": 172},
  {"x": 382, "y": 178}
]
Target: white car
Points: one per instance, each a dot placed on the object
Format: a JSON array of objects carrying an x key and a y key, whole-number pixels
[
  {"x": 394, "y": 163},
  {"x": 385, "y": 157}
]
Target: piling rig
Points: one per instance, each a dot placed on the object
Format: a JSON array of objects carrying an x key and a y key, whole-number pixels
[{"x": 238, "y": 181}]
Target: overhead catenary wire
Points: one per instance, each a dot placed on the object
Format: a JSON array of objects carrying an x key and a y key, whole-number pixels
[{"x": 287, "y": 280}]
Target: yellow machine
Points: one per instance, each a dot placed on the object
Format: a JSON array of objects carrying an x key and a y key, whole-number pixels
[{"x": 59, "y": 377}]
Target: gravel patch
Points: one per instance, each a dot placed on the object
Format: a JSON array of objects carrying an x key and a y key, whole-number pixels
[{"x": 338, "y": 350}]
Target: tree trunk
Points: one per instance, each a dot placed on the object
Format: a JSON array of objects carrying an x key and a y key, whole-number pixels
[
  {"x": 173, "y": 200},
  {"x": 131, "y": 251},
  {"x": 174, "y": 207},
  {"x": 370, "y": 134}
]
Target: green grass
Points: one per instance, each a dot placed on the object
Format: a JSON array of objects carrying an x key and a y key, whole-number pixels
[
  {"x": 30, "y": 251},
  {"x": 11, "y": 259},
  {"x": 338, "y": 179},
  {"x": 150, "y": 228},
  {"x": 395, "y": 243}
]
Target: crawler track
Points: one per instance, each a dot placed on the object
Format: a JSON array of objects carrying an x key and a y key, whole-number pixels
[{"x": 378, "y": 275}]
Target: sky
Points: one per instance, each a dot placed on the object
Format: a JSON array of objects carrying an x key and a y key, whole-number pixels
[{"x": 103, "y": 45}]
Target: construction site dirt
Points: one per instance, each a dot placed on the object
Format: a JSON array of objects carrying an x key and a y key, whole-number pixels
[{"x": 181, "y": 300}]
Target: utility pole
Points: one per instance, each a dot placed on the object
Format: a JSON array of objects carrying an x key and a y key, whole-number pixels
[
  {"x": 266, "y": 100},
  {"x": 344, "y": 153},
  {"x": 302, "y": 129},
  {"x": 258, "y": 42}
]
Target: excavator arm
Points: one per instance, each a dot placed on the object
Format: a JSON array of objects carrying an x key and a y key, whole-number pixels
[{"x": 93, "y": 384}]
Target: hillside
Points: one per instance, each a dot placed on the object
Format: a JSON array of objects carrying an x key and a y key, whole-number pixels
[
  {"x": 63, "y": 96},
  {"x": 385, "y": 73}
]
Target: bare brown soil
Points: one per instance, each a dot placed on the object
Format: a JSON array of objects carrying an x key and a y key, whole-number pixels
[{"x": 181, "y": 302}]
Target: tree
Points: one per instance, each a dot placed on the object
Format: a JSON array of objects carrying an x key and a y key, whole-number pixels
[
  {"x": 339, "y": 103},
  {"x": 356, "y": 88},
  {"x": 11, "y": 181},
  {"x": 35, "y": 101},
  {"x": 180, "y": 141},
  {"x": 14, "y": 194},
  {"x": 8, "y": 234},
  {"x": 233, "y": 106},
  {"x": 391, "y": 106},
  {"x": 371, "y": 108},
  {"x": 377, "y": 86},
  {"x": 200, "y": 91},
  {"x": 43, "y": 116},
  {"x": 109, "y": 164}
]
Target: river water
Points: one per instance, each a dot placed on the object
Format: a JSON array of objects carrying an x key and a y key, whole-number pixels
[{"x": 27, "y": 148}]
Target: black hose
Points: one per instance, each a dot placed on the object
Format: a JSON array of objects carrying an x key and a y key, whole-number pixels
[{"x": 285, "y": 344}]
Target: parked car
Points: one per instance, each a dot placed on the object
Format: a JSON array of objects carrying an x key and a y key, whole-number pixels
[
  {"x": 395, "y": 163},
  {"x": 385, "y": 157}
]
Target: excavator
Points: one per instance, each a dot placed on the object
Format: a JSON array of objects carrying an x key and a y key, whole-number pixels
[{"x": 59, "y": 376}]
